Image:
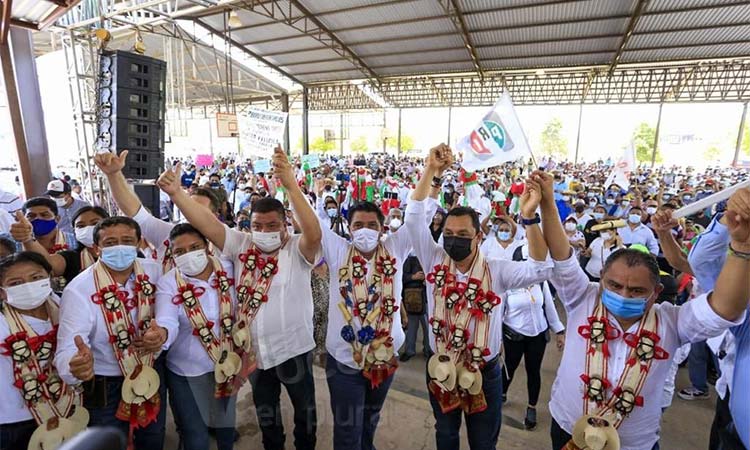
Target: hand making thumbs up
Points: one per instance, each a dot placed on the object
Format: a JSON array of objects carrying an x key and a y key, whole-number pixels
[
  {"x": 82, "y": 363},
  {"x": 21, "y": 230},
  {"x": 153, "y": 339},
  {"x": 110, "y": 163},
  {"x": 169, "y": 181}
]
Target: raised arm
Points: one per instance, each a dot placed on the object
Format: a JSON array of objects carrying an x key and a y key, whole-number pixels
[
  {"x": 663, "y": 223},
  {"x": 198, "y": 215},
  {"x": 112, "y": 165},
  {"x": 732, "y": 291},
  {"x": 311, "y": 235},
  {"x": 554, "y": 234},
  {"x": 530, "y": 200}
]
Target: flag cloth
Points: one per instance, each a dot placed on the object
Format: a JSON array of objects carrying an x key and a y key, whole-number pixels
[
  {"x": 497, "y": 138},
  {"x": 622, "y": 169}
]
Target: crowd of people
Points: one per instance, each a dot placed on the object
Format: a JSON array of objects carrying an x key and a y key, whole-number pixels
[{"x": 237, "y": 276}]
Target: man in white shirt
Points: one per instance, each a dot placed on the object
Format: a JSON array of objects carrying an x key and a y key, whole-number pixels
[
  {"x": 155, "y": 231},
  {"x": 470, "y": 388},
  {"x": 197, "y": 350},
  {"x": 638, "y": 233},
  {"x": 110, "y": 306},
  {"x": 272, "y": 277},
  {"x": 619, "y": 342}
]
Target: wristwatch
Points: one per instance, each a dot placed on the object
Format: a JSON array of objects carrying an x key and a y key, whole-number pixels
[{"x": 526, "y": 222}]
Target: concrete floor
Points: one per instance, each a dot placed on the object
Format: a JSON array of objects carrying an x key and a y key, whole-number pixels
[{"x": 407, "y": 422}]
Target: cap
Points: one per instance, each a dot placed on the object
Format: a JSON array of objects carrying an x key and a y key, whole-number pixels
[{"x": 57, "y": 187}]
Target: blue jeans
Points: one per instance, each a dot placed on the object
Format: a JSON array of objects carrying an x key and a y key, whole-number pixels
[
  {"x": 482, "y": 428},
  {"x": 355, "y": 406},
  {"x": 14, "y": 436},
  {"x": 196, "y": 409},
  {"x": 297, "y": 377},
  {"x": 698, "y": 365},
  {"x": 412, "y": 329},
  {"x": 151, "y": 437}
]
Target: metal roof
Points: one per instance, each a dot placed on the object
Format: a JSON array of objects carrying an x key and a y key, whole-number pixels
[{"x": 381, "y": 42}]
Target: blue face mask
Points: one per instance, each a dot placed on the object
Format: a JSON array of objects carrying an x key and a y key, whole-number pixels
[
  {"x": 625, "y": 308},
  {"x": 119, "y": 257},
  {"x": 43, "y": 227},
  {"x": 598, "y": 216},
  {"x": 244, "y": 223},
  {"x": 635, "y": 219},
  {"x": 503, "y": 235},
  {"x": 332, "y": 212}
]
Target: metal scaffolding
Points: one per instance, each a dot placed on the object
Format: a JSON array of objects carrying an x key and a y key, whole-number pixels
[{"x": 702, "y": 82}]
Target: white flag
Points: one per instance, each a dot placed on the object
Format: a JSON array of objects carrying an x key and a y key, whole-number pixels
[
  {"x": 497, "y": 138},
  {"x": 622, "y": 169}
]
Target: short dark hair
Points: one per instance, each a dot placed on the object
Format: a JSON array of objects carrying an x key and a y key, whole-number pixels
[
  {"x": 185, "y": 228},
  {"x": 669, "y": 206},
  {"x": 116, "y": 220},
  {"x": 208, "y": 193},
  {"x": 8, "y": 243},
  {"x": 98, "y": 210},
  {"x": 329, "y": 199},
  {"x": 634, "y": 258},
  {"x": 365, "y": 207},
  {"x": 460, "y": 211},
  {"x": 40, "y": 201},
  {"x": 23, "y": 257},
  {"x": 267, "y": 205}
]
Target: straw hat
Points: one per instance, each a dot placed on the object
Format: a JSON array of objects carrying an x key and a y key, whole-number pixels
[
  {"x": 52, "y": 433},
  {"x": 141, "y": 385},
  {"x": 469, "y": 379},
  {"x": 596, "y": 433},
  {"x": 442, "y": 371}
]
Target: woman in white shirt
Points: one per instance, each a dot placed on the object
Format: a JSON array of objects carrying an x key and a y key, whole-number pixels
[
  {"x": 599, "y": 250},
  {"x": 527, "y": 315},
  {"x": 501, "y": 242},
  {"x": 575, "y": 237}
]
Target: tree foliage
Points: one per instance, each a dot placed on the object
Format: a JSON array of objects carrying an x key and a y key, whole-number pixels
[
  {"x": 359, "y": 145},
  {"x": 712, "y": 153},
  {"x": 407, "y": 143},
  {"x": 644, "y": 137},
  {"x": 319, "y": 144},
  {"x": 553, "y": 142}
]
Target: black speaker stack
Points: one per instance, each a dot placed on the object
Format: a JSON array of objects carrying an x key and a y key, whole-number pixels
[{"x": 131, "y": 112}]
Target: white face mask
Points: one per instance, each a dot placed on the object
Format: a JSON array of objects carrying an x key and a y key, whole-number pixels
[
  {"x": 192, "y": 263},
  {"x": 85, "y": 235},
  {"x": 267, "y": 241},
  {"x": 606, "y": 236},
  {"x": 395, "y": 223},
  {"x": 570, "y": 226},
  {"x": 365, "y": 239},
  {"x": 60, "y": 202},
  {"x": 650, "y": 210},
  {"x": 28, "y": 295}
]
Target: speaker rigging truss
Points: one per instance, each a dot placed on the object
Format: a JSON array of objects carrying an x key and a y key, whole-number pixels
[{"x": 722, "y": 81}]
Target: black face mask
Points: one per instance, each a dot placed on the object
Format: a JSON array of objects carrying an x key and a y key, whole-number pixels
[
  {"x": 579, "y": 209},
  {"x": 458, "y": 248}
]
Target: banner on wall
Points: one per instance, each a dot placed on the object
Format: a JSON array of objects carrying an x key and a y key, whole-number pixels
[{"x": 261, "y": 131}]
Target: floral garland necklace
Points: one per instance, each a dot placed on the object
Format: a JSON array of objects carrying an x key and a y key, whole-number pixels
[
  {"x": 140, "y": 402},
  {"x": 88, "y": 258},
  {"x": 252, "y": 292},
  {"x": 227, "y": 363},
  {"x": 644, "y": 350},
  {"x": 457, "y": 305},
  {"x": 56, "y": 407},
  {"x": 368, "y": 305},
  {"x": 59, "y": 283}
]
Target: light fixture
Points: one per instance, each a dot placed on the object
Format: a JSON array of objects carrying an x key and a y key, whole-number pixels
[{"x": 234, "y": 20}]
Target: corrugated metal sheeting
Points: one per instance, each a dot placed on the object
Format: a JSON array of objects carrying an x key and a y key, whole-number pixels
[{"x": 373, "y": 38}]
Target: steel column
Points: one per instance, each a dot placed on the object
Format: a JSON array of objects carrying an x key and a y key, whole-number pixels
[
  {"x": 399, "y": 133},
  {"x": 305, "y": 124},
  {"x": 450, "y": 112},
  {"x": 384, "y": 135},
  {"x": 739, "y": 136},
  {"x": 341, "y": 134},
  {"x": 285, "y": 108},
  {"x": 578, "y": 134},
  {"x": 25, "y": 108},
  {"x": 656, "y": 137}
]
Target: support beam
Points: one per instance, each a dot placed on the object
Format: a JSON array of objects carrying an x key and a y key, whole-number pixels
[
  {"x": 656, "y": 137},
  {"x": 450, "y": 113},
  {"x": 578, "y": 133},
  {"x": 639, "y": 7},
  {"x": 341, "y": 134},
  {"x": 399, "y": 134},
  {"x": 25, "y": 110},
  {"x": 305, "y": 123},
  {"x": 453, "y": 10},
  {"x": 7, "y": 7},
  {"x": 739, "y": 136},
  {"x": 285, "y": 108}
]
